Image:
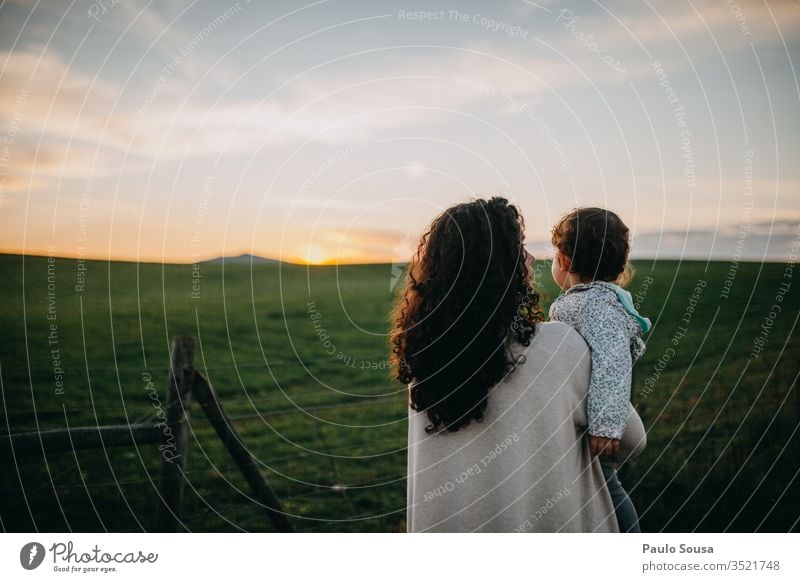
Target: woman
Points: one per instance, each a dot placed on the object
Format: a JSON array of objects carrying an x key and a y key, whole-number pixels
[{"x": 496, "y": 438}]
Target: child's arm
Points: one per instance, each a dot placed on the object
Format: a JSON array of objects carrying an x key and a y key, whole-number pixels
[
  {"x": 610, "y": 384},
  {"x": 605, "y": 331}
]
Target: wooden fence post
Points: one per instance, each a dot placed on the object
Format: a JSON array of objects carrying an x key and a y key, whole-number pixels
[
  {"x": 174, "y": 436},
  {"x": 207, "y": 398}
]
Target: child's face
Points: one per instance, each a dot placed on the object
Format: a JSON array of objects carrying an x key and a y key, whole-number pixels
[{"x": 560, "y": 275}]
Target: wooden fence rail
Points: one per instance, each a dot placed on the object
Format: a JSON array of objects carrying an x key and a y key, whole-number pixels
[{"x": 185, "y": 384}]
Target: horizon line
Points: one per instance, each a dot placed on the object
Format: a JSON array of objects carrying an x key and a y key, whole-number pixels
[{"x": 231, "y": 258}]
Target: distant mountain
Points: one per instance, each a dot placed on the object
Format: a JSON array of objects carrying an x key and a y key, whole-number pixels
[{"x": 244, "y": 259}]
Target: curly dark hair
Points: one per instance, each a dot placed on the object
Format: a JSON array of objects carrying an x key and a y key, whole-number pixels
[
  {"x": 596, "y": 242},
  {"x": 468, "y": 295}
]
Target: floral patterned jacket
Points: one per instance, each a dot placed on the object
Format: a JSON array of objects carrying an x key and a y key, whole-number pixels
[{"x": 604, "y": 315}]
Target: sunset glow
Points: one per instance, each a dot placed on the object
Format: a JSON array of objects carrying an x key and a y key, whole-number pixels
[
  {"x": 203, "y": 139},
  {"x": 314, "y": 254}
]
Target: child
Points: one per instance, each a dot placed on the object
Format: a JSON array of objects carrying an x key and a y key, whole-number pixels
[{"x": 591, "y": 255}]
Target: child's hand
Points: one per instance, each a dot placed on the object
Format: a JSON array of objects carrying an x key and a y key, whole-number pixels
[{"x": 603, "y": 446}]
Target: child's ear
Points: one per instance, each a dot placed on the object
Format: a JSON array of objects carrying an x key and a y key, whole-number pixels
[{"x": 563, "y": 262}]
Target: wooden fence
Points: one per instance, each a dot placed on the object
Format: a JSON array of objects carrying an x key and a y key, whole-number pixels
[{"x": 184, "y": 385}]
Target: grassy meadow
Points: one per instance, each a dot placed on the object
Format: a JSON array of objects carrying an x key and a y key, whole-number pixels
[{"x": 298, "y": 357}]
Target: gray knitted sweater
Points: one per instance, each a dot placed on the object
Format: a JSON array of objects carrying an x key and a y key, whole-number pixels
[{"x": 527, "y": 467}]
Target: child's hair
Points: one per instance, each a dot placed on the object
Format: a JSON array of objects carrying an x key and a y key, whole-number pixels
[{"x": 596, "y": 242}]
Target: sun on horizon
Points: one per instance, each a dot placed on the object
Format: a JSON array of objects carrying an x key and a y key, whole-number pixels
[{"x": 313, "y": 254}]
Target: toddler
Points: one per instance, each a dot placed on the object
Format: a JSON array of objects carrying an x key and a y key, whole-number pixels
[{"x": 591, "y": 256}]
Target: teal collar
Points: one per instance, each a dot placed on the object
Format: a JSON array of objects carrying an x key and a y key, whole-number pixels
[{"x": 627, "y": 302}]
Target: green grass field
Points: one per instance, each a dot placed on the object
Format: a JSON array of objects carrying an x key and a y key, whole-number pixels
[{"x": 323, "y": 416}]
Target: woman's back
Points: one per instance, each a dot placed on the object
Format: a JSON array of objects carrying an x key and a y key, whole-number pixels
[{"x": 526, "y": 467}]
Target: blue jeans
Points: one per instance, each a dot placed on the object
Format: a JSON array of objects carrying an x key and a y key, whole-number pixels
[{"x": 623, "y": 506}]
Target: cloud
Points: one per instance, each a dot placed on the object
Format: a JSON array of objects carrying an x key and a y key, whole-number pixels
[
  {"x": 174, "y": 36},
  {"x": 86, "y": 127},
  {"x": 445, "y": 77},
  {"x": 740, "y": 23},
  {"x": 369, "y": 244},
  {"x": 393, "y": 90},
  {"x": 50, "y": 97},
  {"x": 771, "y": 241},
  {"x": 328, "y": 204},
  {"x": 416, "y": 170},
  {"x": 57, "y": 125}
]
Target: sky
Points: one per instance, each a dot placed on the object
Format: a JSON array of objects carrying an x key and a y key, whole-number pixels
[{"x": 335, "y": 131}]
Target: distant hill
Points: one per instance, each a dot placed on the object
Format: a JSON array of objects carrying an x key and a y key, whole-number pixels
[{"x": 245, "y": 259}]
